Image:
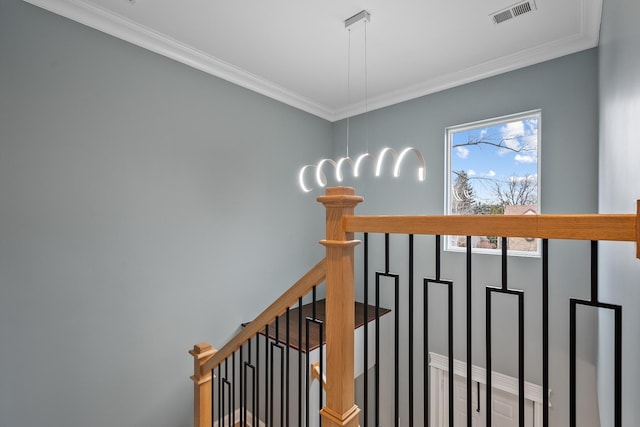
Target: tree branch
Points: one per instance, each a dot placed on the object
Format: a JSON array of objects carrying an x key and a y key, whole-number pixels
[{"x": 495, "y": 144}]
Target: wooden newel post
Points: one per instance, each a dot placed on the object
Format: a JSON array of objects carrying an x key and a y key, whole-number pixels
[
  {"x": 340, "y": 408},
  {"x": 201, "y": 385}
]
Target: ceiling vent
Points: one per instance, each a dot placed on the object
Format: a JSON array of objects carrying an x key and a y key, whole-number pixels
[{"x": 513, "y": 11}]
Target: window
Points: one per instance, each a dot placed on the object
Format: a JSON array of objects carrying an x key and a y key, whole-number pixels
[{"x": 492, "y": 168}]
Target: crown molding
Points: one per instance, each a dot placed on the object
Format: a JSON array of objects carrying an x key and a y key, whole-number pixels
[
  {"x": 118, "y": 26},
  {"x": 586, "y": 38},
  {"x": 488, "y": 69}
]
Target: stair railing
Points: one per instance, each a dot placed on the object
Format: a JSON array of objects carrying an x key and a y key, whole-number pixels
[
  {"x": 337, "y": 270},
  {"x": 206, "y": 359}
]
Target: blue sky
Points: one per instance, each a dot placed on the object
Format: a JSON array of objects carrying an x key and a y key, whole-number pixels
[{"x": 486, "y": 164}]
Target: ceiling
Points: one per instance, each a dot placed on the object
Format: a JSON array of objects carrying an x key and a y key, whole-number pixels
[{"x": 297, "y": 51}]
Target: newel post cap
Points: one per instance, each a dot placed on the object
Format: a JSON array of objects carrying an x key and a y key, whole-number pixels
[{"x": 340, "y": 197}]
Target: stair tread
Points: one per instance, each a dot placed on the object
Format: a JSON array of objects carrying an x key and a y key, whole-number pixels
[{"x": 307, "y": 312}]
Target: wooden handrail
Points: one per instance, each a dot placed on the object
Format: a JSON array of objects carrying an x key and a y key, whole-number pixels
[
  {"x": 617, "y": 227},
  {"x": 302, "y": 287}
]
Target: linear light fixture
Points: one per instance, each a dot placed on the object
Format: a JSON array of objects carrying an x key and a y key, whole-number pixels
[{"x": 356, "y": 167}]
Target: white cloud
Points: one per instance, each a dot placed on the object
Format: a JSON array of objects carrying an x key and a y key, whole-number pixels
[
  {"x": 530, "y": 142},
  {"x": 532, "y": 125},
  {"x": 532, "y": 178},
  {"x": 471, "y": 172},
  {"x": 513, "y": 144},
  {"x": 510, "y": 134},
  {"x": 462, "y": 152},
  {"x": 491, "y": 174},
  {"x": 512, "y": 130},
  {"x": 520, "y": 158}
]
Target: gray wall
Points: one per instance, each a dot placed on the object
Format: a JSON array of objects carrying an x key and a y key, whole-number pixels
[
  {"x": 144, "y": 207},
  {"x": 566, "y": 91},
  {"x": 139, "y": 197},
  {"x": 619, "y": 59}
]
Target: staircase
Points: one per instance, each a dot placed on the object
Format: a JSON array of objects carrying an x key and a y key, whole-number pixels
[{"x": 265, "y": 374}]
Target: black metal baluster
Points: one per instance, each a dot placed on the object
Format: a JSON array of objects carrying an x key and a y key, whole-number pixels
[
  {"x": 313, "y": 307},
  {"x": 226, "y": 382},
  {"x": 504, "y": 263},
  {"x": 213, "y": 395},
  {"x": 488, "y": 346},
  {"x": 438, "y": 281},
  {"x": 300, "y": 372},
  {"x": 521, "y": 400},
  {"x": 255, "y": 409},
  {"x": 451, "y": 355},
  {"x": 545, "y": 333},
  {"x": 618, "y": 366},
  {"x": 314, "y": 314},
  {"x": 318, "y": 323},
  {"x": 288, "y": 374},
  {"x": 254, "y": 400},
  {"x": 396, "y": 278},
  {"x": 258, "y": 374},
  {"x": 425, "y": 344},
  {"x": 307, "y": 385},
  {"x": 246, "y": 366},
  {"x": 595, "y": 303},
  {"x": 572, "y": 363},
  {"x": 254, "y": 415},
  {"x": 233, "y": 388},
  {"x": 267, "y": 396},
  {"x": 321, "y": 366},
  {"x": 377, "y": 369},
  {"x": 275, "y": 346},
  {"x": 243, "y": 391},
  {"x": 520, "y": 296},
  {"x": 469, "y": 336},
  {"x": 396, "y": 357},
  {"x": 377, "y": 351},
  {"x": 227, "y": 386},
  {"x": 320, "y": 352},
  {"x": 449, "y": 285},
  {"x": 438, "y": 262},
  {"x": 410, "y": 303},
  {"x": 219, "y": 395},
  {"x": 396, "y": 333},
  {"x": 521, "y": 356},
  {"x": 282, "y": 384},
  {"x": 366, "y": 330},
  {"x": 243, "y": 420},
  {"x": 271, "y": 370},
  {"x": 386, "y": 253},
  {"x": 594, "y": 271},
  {"x": 450, "y": 328}
]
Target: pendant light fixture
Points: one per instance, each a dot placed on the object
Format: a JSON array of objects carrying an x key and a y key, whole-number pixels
[{"x": 363, "y": 17}]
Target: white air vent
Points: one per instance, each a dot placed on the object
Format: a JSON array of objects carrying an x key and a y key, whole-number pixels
[{"x": 513, "y": 11}]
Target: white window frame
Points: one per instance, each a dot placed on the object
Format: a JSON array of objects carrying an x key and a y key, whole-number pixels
[{"x": 481, "y": 124}]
